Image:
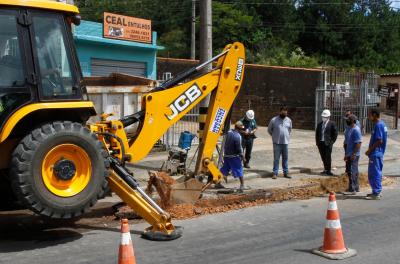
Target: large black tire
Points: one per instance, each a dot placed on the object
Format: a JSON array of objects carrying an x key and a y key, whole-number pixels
[
  {"x": 26, "y": 170},
  {"x": 8, "y": 200}
]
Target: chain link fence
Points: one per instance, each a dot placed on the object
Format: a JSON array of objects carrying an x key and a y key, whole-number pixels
[{"x": 341, "y": 91}]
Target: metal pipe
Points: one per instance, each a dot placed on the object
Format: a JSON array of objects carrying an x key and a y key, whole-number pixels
[
  {"x": 150, "y": 201},
  {"x": 184, "y": 75},
  {"x": 211, "y": 60},
  {"x": 126, "y": 176}
]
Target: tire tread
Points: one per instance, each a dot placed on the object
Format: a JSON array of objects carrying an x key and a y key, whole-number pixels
[{"x": 22, "y": 159}]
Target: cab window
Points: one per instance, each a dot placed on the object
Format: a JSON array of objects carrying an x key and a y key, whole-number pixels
[
  {"x": 56, "y": 78},
  {"x": 13, "y": 90},
  {"x": 11, "y": 73}
]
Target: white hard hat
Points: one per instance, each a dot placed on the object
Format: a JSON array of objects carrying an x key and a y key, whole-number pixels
[
  {"x": 326, "y": 113},
  {"x": 250, "y": 114}
]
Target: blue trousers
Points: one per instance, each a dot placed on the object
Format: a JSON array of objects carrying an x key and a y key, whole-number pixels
[
  {"x": 281, "y": 150},
  {"x": 353, "y": 174},
  {"x": 375, "y": 167},
  {"x": 234, "y": 165}
]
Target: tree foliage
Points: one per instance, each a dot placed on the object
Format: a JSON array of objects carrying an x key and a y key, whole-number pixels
[{"x": 356, "y": 34}]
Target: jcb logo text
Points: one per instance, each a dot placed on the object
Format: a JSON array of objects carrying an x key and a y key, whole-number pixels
[{"x": 184, "y": 101}]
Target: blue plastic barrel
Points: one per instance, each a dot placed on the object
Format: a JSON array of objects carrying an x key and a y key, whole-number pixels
[{"x": 185, "y": 140}]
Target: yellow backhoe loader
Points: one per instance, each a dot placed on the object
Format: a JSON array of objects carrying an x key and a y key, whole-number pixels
[{"x": 56, "y": 164}]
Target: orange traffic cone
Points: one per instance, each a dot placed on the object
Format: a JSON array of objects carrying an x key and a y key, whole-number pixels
[
  {"x": 334, "y": 247},
  {"x": 126, "y": 254}
]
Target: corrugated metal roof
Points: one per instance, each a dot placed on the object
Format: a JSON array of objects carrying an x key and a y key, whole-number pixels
[{"x": 93, "y": 31}]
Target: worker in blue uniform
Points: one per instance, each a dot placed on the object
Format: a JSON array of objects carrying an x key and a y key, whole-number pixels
[
  {"x": 347, "y": 130},
  {"x": 233, "y": 155},
  {"x": 352, "y": 154},
  {"x": 375, "y": 153}
]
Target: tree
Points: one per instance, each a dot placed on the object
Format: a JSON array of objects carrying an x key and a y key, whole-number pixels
[
  {"x": 352, "y": 34},
  {"x": 230, "y": 24},
  {"x": 174, "y": 43}
]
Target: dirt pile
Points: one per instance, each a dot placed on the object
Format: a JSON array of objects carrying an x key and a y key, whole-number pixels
[
  {"x": 162, "y": 182},
  {"x": 227, "y": 202}
]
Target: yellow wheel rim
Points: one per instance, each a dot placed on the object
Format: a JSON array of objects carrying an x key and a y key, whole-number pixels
[{"x": 79, "y": 180}]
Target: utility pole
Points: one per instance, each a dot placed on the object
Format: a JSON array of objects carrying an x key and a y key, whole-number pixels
[
  {"x": 205, "y": 31},
  {"x": 205, "y": 55},
  {"x": 193, "y": 41}
]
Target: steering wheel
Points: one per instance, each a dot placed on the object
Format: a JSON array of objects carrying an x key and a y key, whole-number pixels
[{"x": 54, "y": 78}]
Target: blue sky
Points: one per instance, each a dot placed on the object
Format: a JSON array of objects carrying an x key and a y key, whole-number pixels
[{"x": 396, "y": 4}]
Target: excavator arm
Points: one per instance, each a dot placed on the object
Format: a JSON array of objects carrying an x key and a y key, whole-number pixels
[{"x": 162, "y": 108}]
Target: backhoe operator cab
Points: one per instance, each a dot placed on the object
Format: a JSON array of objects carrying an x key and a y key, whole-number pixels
[
  {"x": 41, "y": 95},
  {"x": 37, "y": 60}
]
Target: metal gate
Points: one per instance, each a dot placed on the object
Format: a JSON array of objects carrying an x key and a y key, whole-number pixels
[
  {"x": 189, "y": 123},
  {"x": 341, "y": 91},
  {"x": 100, "y": 67}
]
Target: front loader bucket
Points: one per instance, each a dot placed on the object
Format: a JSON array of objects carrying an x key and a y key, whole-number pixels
[{"x": 173, "y": 191}]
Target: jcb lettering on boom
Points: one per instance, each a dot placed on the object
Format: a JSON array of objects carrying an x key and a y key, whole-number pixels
[
  {"x": 239, "y": 69},
  {"x": 184, "y": 100}
]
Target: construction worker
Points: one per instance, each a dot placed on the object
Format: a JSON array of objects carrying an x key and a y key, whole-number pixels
[
  {"x": 325, "y": 136},
  {"x": 233, "y": 154},
  {"x": 375, "y": 153},
  {"x": 280, "y": 128},
  {"x": 347, "y": 128},
  {"x": 352, "y": 154},
  {"x": 248, "y": 135}
]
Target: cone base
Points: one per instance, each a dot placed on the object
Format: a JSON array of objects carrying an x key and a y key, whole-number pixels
[
  {"x": 160, "y": 236},
  {"x": 348, "y": 254}
]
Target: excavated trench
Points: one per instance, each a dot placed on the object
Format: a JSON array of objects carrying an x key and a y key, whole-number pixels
[
  {"x": 106, "y": 214},
  {"x": 219, "y": 203}
]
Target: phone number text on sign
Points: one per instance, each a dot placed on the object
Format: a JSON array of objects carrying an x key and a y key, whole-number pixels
[{"x": 219, "y": 118}]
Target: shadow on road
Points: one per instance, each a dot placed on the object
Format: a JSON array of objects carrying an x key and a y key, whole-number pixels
[
  {"x": 303, "y": 250},
  {"x": 350, "y": 197},
  {"x": 260, "y": 173},
  {"x": 22, "y": 230},
  {"x": 22, "y": 239}
]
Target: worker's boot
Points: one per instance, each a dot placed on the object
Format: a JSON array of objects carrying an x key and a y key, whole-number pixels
[
  {"x": 219, "y": 186},
  {"x": 286, "y": 175},
  {"x": 373, "y": 196},
  {"x": 329, "y": 173}
]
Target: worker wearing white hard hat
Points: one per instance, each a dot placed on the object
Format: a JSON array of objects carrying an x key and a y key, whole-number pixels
[
  {"x": 250, "y": 114},
  {"x": 326, "y": 113},
  {"x": 248, "y": 135},
  {"x": 325, "y": 136}
]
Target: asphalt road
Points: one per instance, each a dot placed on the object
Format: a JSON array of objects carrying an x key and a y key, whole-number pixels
[{"x": 278, "y": 233}]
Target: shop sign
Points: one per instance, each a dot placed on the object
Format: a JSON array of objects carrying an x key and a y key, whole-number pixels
[{"x": 126, "y": 28}]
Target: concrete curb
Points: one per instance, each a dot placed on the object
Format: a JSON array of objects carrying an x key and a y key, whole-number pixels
[{"x": 350, "y": 253}]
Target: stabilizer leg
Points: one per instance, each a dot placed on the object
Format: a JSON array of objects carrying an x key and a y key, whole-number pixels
[{"x": 127, "y": 188}]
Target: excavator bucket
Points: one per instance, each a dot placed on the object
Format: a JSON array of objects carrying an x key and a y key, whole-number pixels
[
  {"x": 186, "y": 192},
  {"x": 173, "y": 191}
]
